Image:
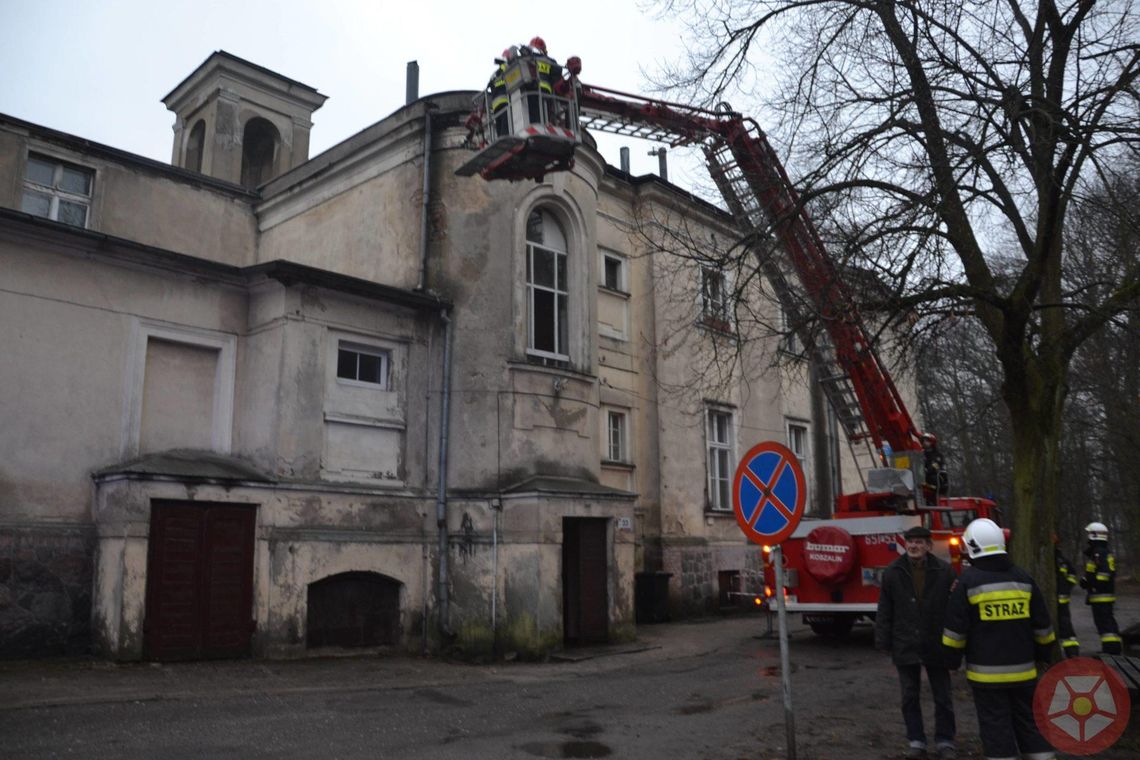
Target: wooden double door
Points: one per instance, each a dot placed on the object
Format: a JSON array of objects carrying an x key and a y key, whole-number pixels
[{"x": 199, "y": 592}]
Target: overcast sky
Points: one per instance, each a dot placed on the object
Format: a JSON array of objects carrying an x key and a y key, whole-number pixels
[{"x": 99, "y": 68}]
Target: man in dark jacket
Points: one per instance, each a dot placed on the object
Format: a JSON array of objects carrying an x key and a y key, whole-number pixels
[{"x": 908, "y": 624}]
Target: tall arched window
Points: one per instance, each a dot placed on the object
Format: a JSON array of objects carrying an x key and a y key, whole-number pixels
[
  {"x": 547, "y": 290},
  {"x": 258, "y": 149},
  {"x": 195, "y": 145}
]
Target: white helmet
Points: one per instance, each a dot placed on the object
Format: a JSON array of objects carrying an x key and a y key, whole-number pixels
[
  {"x": 983, "y": 538},
  {"x": 1097, "y": 531}
]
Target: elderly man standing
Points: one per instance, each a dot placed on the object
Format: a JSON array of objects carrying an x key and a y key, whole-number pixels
[{"x": 908, "y": 624}]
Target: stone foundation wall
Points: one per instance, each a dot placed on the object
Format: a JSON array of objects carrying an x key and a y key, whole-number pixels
[
  {"x": 694, "y": 589},
  {"x": 45, "y": 590}
]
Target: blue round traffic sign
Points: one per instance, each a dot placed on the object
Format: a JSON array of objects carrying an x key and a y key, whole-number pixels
[{"x": 768, "y": 493}]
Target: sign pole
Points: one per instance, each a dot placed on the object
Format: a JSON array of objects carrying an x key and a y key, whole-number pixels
[
  {"x": 768, "y": 495},
  {"x": 785, "y": 660}
]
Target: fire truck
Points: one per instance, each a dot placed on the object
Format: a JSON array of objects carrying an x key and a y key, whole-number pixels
[{"x": 833, "y": 566}]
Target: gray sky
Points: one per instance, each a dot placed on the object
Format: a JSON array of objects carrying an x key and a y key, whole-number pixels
[{"x": 99, "y": 68}]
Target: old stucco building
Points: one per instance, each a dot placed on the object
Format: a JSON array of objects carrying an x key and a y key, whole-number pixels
[{"x": 257, "y": 402}]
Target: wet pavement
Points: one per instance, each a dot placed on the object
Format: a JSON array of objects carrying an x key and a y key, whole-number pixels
[{"x": 702, "y": 689}]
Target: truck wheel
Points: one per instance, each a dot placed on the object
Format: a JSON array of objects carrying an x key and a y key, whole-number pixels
[{"x": 833, "y": 627}]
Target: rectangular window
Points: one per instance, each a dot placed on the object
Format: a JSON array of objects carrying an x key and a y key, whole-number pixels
[
  {"x": 613, "y": 272},
  {"x": 719, "y": 436},
  {"x": 791, "y": 339},
  {"x": 616, "y": 447},
  {"x": 362, "y": 364},
  {"x": 57, "y": 190},
  {"x": 548, "y": 294},
  {"x": 798, "y": 443},
  {"x": 715, "y": 311}
]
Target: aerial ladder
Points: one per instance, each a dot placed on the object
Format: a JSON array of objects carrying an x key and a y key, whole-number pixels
[{"x": 765, "y": 206}]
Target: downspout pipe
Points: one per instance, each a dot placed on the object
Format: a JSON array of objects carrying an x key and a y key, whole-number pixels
[
  {"x": 441, "y": 496},
  {"x": 426, "y": 198}
]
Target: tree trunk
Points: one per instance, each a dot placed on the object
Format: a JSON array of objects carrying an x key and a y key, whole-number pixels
[{"x": 1036, "y": 405}]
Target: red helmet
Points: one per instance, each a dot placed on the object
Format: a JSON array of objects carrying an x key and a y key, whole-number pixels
[
  {"x": 929, "y": 437},
  {"x": 506, "y": 54},
  {"x": 537, "y": 43}
]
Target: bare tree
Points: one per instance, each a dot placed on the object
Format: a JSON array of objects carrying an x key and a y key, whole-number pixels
[{"x": 952, "y": 139}]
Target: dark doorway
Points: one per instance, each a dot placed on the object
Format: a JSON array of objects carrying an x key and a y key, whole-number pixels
[
  {"x": 258, "y": 152},
  {"x": 585, "y": 569},
  {"x": 199, "y": 590},
  {"x": 353, "y": 610}
]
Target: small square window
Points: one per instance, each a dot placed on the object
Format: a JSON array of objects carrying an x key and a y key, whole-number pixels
[
  {"x": 362, "y": 364},
  {"x": 57, "y": 190},
  {"x": 613, "y": 272}
]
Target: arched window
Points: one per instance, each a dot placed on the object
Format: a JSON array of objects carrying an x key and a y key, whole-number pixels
[
  {"x": 195, "y": 146},
  {"x": 547, "y": 288},
  {"x": 258, "y": 149}
]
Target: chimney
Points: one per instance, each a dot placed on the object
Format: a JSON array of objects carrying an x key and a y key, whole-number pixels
[
  {"x": 413, "y": 87},
  {"x": 625, "y": 160},
  {"x": 662, "y": 163}
]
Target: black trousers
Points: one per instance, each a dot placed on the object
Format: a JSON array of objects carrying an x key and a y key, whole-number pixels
[
  {"x": 910, "y": 678},
  {"x": 1070, "y": 645},
  {"x": 1110, "y": 641},
  {"x": 1005, "y": 721}
]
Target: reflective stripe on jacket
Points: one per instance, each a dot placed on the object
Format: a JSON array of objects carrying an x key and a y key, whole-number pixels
[{"x": 998, "y": 619}]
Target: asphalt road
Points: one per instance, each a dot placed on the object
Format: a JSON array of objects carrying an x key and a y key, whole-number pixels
[{"x": 708, "y": 690}]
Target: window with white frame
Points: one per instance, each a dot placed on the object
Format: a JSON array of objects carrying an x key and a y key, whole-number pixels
[
  {"x": 547, "y": 288},
  {"x": 719, "y": 437},
  {"x": 791, "y": 338},
  {"x": 614, "y": 272},
  {"x": 362, "y": 364},
  {"x": 715, "y": 306},
  {"x": 617, "y": 440},
  {"x": 57, "y": 190},
  {"x": 798, "y": 444}
]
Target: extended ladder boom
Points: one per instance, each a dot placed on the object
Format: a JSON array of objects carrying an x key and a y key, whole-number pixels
[{"x": 761, "y": 199}]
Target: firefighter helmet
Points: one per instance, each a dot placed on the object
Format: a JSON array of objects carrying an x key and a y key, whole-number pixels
[
  {"x": 539, "y": 44},
  {"x": 1097, "y": 531},
  {"x": 929, "y": 437},
  {"x": 983, "y": 538}
]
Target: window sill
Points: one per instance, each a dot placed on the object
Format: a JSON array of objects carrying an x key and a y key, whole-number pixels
[
  {"x": 614, "y": 291},
  {"x": 717, "y": 326},
  {"x": 612, "y": 464},
  {"x": 710, "y": 512}
]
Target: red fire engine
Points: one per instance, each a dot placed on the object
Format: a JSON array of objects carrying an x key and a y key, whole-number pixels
[{"x": 833, "y": 565}]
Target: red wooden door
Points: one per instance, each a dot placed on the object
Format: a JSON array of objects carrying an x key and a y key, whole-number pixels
[
  {"x": 585, "y": 569},
  {"x": 199, "y": 601}
]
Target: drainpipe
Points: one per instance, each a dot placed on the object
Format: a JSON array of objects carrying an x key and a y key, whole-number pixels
[
  {"x": 441, "y": 496},
  {"x": 426, "y": 198}
]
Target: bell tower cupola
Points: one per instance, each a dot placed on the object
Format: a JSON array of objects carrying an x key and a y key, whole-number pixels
[{"x": 239, "y": 122}]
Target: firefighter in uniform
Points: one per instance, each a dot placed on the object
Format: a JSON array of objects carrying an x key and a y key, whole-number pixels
[
  {"x": 1066, "y": 579},
  {"x": 997, "y": 618},
  {"x": 500, "y": 102},
  {"x": 1100, "y": 582},
  {"x": 936, "y": 481}
]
